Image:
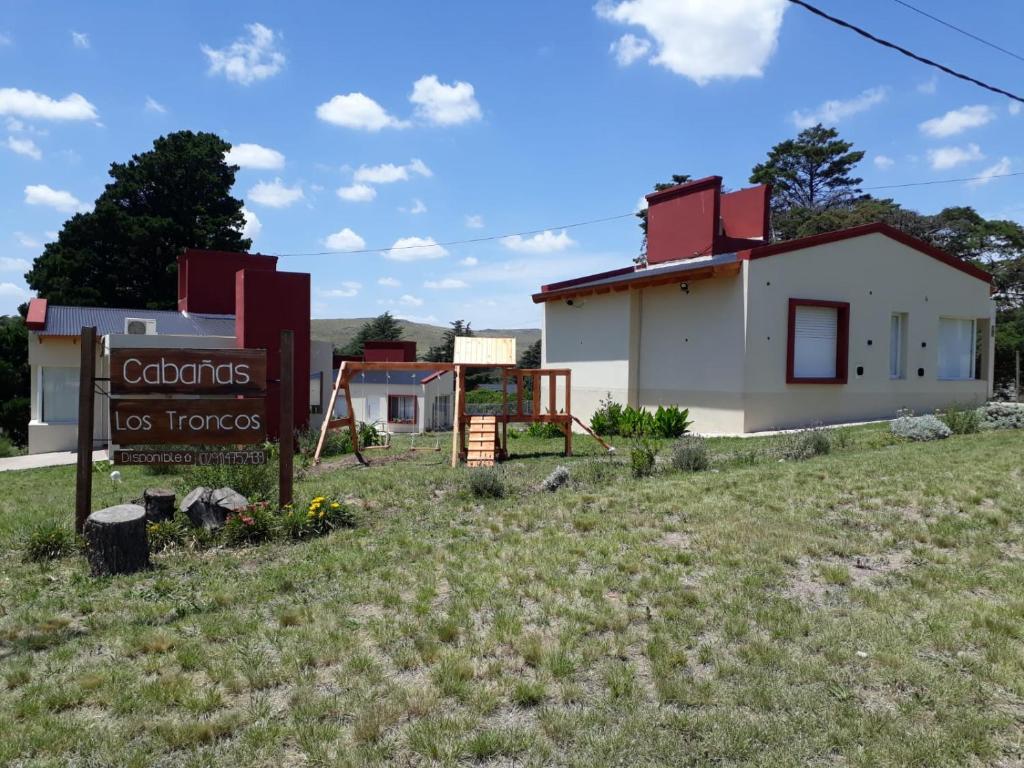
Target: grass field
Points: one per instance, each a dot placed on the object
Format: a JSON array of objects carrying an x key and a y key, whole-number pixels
[{"x": 864, "y": 608}]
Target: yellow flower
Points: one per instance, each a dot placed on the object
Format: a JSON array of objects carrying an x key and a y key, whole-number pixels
[{"x": 335, "y": 505}]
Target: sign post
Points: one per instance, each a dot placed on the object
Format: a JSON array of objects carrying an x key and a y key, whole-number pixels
[
  {"x": 86, "y": 386},
  {"x": 287, "y": 452}
]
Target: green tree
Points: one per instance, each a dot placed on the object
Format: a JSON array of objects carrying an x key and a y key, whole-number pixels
[
  {"x": 14, "y": 379},
  {"x": 812, "y": 172},
  {"x": 124, "y": 252},
  {"x": 381, "y": 328},
  {"x": 445, "y": 351},
  {"x": 531, "y": 357}
]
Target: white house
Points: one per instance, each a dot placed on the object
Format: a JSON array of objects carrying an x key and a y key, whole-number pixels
[
  {"x": 846, "y": 326},
  {"x": 401, "y": 401}
]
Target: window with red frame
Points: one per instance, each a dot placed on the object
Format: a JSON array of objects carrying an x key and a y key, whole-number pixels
[
  {"x": 402, "y": 409},
  {"x": 819, "y": 342}
]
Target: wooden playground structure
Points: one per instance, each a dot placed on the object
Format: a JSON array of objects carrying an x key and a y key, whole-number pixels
[{"x": 476, "y": 439}]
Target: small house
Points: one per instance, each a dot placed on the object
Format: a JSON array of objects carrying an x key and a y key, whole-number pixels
[{"x": 749, "y": 335}]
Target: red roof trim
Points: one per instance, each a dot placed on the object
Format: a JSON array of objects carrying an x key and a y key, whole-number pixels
[
  {"x": 587, "y": 278},
  {"x": 431, "y": 377},
  {"x": 683, "y": 189},
  {"x": 868, "y": 229},
  {"x": 35, "y": 320}
]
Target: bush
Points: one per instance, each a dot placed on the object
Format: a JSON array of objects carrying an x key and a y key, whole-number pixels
[
  {"x": 14, "y": 417},
  {"x": 690, "y": 455},
  {"x": 596, "y": 471},
  {"x": 7, "y": 448},
  {"x": 49, "y": 541},
  {"x": 257, "y": 482},
  {"x": 488, "y": 483},
  {"x": 641, "y": 457},
  {"x": 671, "y": 422},
  {"x": 326, "y": 513},
  {"x": 636, "y": 422},
  {"x": 168, "y": 533},
  {"x": 254, "y": 525},
  {"x": 544, "y": 429},
  {"x": 559, "y": 476},
  {"x": 1001, "y": 416},
  {"x": 606, "y": 418},
  {"x": 961, "y": 421},
  {"x": 805, "y": 444},
  {"x": 920, "y": 428},
  {"x": 338, "y": 441}
]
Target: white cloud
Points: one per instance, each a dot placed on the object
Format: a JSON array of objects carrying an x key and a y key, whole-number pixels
[
  {"x": 247, "y": 59},
  {"x": 58, "y": 199},
  {"x": 253, "y": 226},
  {"x": 474, "y": 221},
  {"x": 408, "y": 300},
  {"x": 1003, "y": 167},
  {"x": 928, "y": 86},
  {"x": 80, "y": 39},
  {"x": 389, "y": 282},
  {"x": 425, "y": 319},
  {"x": 25, "y": 147},
  {"x": 275, "y": 194},
  {"x": 386, "y": 173},
  {"x": 345, "y": 240},
  {"x": 442, "y": 104},
  {"x": 152, "y": 105},
  {"x": 1014, "y": 107},
  {"x": 705, "y": 39},
  {"x": 8, "y": 264},
  {"x": 883, "y": 162},
  {"x": 957, "y": 121},
  {"x": 12, "y": 291},
  {"x": 629, "y": 48},
  {"x": 357, "y": 193},
  {"x": 543, "y": 242},
  {"x": 27, "y": 241},
  {"x": 358, "y": 111},
  {"x": 37, "y": 106},
  {"x": 446, "y": 284},
  {"x": 418, "y": 206},
  {"x": 348, "y": 289},
  {"x": 834, "y": 110},
  {"x": 950, "y": 157},
  {"x": 470, "y": 261},
  {"x": 641, "y": 204},
  {"x": 5, "y": 40},
  {"x": 415, "y": 249},
  {"x": 254, "y": 156}
]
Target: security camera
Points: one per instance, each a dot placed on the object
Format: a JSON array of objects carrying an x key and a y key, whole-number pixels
[
  {"x": 684, "y": 287},
  {"x": 569, "y": 302}
]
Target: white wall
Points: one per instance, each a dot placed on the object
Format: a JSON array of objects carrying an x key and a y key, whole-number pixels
[
  {"x": 877, "y": 276},
  {"x": 321, "y": 357},
  {"x": 60, "y": 352}
]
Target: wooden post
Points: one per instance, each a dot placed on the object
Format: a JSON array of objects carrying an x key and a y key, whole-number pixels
[
  {"x": 457, "y": 427},
  {"x": 287, "y": 422},
  {"x": 1017, "y": 379},
  {"x": 329, "y": 415},
  {"x": 504, "y": 412},
  {"x": 568, "y": 412},
  {"x": 86, "y": 385},
  {"x": 535, "y": 383},
  {"x": 552, "y": 393},
  {"x": 519, "y": 394}
]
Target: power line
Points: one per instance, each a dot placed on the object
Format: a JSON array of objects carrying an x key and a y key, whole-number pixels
[
  {"x": 905, "y": 52},
  {"x": 954, "y": 27},
  {"x": 574, "y": 225}
]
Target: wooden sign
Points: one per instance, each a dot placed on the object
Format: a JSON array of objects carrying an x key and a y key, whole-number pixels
[
  {"x": 484, "y": 350},
  {"x": 137, "y": 371},
  {"x": 189, "y": 458},
  {"x": 188, "y": 422}
]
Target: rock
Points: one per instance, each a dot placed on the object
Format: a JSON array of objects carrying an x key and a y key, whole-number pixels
[
  {"x": 116, "y": 540},
  {"x": 159, "y": 503},
  {"x": 559, "y": 476},
  {"x": 210, "y": 508}
]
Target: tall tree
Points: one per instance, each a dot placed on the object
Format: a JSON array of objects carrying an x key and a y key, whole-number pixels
[
  {"x": 124, "y": 252},
  {"x": 445, "y": 351},
  {"x": 14, "y": 379},
  {"x": 380, "y": 328},
  {"x": 811, "y": 172},
  {"x": 531, "y": 357}
]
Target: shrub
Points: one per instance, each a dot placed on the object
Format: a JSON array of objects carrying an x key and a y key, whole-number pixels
[
  {"x": 919, "y": 428},
  {"x": 636, "y": 422},
  {"x": 326, "y": 513},
  {"x": 961, "y": 421},
  {"x": 641, "y": 457},
  {"x": 49, "y": 541},
  {"x": 7, "y": 448},
  {"x": 671, "y": 422},
  {"x": 544, "y": 429},
  {"x": 1001, "y": 416},
  {"x": 805, "y": 444},
  {"x": 596, "y": 471},
  {"x": 488, "y": 483},
  {"x": 257, "y": 482},
  {"x": 690, "y": 455},
  {"x": 559, "y": 476},
  {"x": 254, "y": 525},
  {"x": 167, "y": 533},
  {"x": 606, "y": 418}
]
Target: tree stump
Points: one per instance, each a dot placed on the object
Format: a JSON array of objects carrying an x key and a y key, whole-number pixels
[
  {"x": 159, "y": 504},
  {"x": 116, "y": 540}
]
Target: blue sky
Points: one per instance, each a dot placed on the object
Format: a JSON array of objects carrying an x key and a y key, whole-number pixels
[{"x": 367, "y": 124}]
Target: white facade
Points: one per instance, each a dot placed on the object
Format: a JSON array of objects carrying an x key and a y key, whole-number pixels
[
  {"x": 718, "y": 346},
  {"x": 392, "y": 406}
]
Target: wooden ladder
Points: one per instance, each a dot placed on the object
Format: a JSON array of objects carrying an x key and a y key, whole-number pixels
[{"x": 483, "y": 441}]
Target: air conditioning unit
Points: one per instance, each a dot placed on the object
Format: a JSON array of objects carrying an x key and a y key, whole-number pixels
[{"x": 139, "y": 326}]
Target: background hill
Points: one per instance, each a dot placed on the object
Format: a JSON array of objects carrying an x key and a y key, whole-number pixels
[{"x": 341, "y": 330}]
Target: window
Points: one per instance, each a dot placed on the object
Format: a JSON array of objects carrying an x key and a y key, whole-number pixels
[
  {"x": 402, "y": 409},
  {"x": 956, "y": 349},
  {"x": 898, "y": 346},
  {"x": 818, "y": 345},
  {"x": 316, "y": 397},
  {"x": 60, "y": 395}
]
